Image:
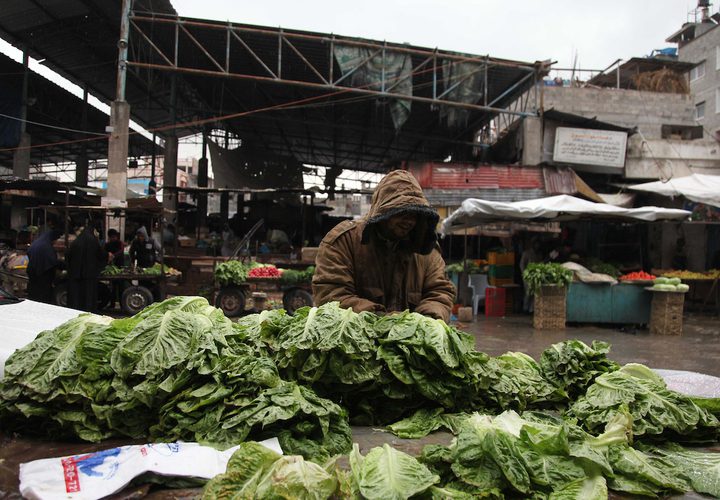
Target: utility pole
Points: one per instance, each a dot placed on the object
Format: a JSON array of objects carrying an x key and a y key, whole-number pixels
[{"x": 119, "y": 125}]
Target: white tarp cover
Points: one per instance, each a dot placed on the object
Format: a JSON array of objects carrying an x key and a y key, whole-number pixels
[
  {"x": 700, "y": 188},
  {"x": 22, "y": 322},
  {"x": 474, "y": 211}
]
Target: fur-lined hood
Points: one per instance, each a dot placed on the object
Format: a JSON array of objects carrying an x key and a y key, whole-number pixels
[{"x": 400, "y": 192}]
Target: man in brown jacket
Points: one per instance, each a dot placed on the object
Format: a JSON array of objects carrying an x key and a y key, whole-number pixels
[{"x": 389, "y": 260}]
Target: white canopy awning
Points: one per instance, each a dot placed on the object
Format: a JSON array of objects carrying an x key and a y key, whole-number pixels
[
  {"x": 562, "y": 207},
  {"x": 701, "y": 188}
]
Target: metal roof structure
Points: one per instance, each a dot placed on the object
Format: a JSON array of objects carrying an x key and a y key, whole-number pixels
[
  {"x": 635, "y": 66},
  {"x": 285, "y": 92},
  {"x": 56, "y": 124}
]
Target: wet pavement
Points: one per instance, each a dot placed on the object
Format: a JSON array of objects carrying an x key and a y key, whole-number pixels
[{"x": 698, "y": 349}]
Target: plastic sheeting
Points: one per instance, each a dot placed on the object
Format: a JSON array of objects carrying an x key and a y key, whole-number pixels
[
  {"x": 474, "y": 211},
  {"x": 22, "y": 322},
  {"x": 693, "y": 384},
  {"x": 701, "y": 188},
  {"x": 391, "y": 70}
]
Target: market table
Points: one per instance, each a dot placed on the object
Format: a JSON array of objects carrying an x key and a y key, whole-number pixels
[{"x": 623, "y": 303}]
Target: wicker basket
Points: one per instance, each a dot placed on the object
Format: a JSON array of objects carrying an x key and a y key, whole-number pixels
[
  {"x": 666, "y": 313},
  {"x": 550, "y": 304}
]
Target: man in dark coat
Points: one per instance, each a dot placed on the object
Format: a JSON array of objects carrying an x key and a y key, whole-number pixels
[
  {"x": 85, "y": 259},
  {"x": 389, "y": 260},
  {"x": 143, "y": 249},
  {"x": 42, "y": 264}
]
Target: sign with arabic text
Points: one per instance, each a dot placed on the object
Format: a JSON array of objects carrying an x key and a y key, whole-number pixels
[{"x": 590, "y": 147}]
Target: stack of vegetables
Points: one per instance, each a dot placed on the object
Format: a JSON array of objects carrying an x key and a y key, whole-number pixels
[
  {"x": 181, "y": 370},
  {"x": 637, "y": 276},
  {"x": 264, "y": 271},
  {"x": 664, "y": 284},
  {"x": 295, "y": 277}
]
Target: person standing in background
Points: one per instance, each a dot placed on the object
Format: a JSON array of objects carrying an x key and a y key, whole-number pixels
[
  {"x": 85, "y": 259},
  {"x": 42, "y": 264},
  {"x": 143, "y": 249},
  {"x": 115, "y": 248}
]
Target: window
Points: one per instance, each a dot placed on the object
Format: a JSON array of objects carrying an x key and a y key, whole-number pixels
[
  {"x": 697, "y": 72},
  {"x": 700, "y": 110}
]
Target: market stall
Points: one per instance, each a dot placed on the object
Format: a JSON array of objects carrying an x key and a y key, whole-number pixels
[{"x": 588, "y": 300}]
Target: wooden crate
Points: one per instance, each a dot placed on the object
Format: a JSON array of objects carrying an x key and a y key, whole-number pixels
[
  {"x": 550, "y": 308},
  {"x": 666, "y": 313}
]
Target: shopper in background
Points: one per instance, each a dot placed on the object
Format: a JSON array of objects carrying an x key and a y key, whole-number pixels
[
  {"x": 143, "y": 249},
  {"x": 84, "y": 259},
  {"x": 42, "y": 264}
]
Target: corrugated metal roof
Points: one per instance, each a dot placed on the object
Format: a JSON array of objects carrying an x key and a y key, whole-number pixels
[{"x": 463, "y": 176}]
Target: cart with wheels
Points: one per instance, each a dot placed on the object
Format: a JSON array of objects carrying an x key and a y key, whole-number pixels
[{"x": 233, "y": 298}]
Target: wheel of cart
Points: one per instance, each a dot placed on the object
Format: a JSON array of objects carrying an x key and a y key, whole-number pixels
[
  {"x": 231, "y": 300},
  {"x": 60, "y": 295},
  {"x": 135, "y": 298},
  {"x": 295, "y": 298}
]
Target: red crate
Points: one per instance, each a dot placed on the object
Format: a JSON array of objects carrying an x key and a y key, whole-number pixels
[{"x": 494, "y": 302}]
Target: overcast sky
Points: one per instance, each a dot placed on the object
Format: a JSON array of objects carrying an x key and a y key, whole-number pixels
[{"x": 599, "y": 32}]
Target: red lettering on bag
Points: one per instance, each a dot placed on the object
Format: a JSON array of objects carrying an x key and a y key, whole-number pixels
[{"x": 70, "y": 472}]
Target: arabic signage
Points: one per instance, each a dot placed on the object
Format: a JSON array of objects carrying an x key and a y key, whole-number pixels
[{"x": 581, "y": 146}]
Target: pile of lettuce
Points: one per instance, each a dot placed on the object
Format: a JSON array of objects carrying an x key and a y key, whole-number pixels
[
  {"x": 178, "y": 370},
  {"x": 572, "y": 425}
]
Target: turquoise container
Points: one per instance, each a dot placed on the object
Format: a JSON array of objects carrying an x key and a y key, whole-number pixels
[{"x": 605, "y": 303}]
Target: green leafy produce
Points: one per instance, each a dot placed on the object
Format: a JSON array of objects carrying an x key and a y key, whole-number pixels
[
  {"x": 111, "y": 270},
  {"x": 254, "y": 471},
  {"x": 534, "y": 454},
  {"x": 388, "y": 474},
  {"x": 598, "y": 266},
  {"x": 295, "y": 277},
  {"x": 424, "y": 421},
  {"x": 656, "y": 411},
  {"x": 232, "y": 272},
  {"x": 573, "y": 365},
  {"x": 537, "y": 275},
  {"x": 177, "y": 370}
]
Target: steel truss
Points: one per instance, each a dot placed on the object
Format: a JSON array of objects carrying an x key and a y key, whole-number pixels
[{"x": 217, "y": 61}]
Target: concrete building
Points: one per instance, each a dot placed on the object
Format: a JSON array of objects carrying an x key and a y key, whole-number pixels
[
  {"x": 669, "y": 141},
  {"x": 699, "y": 43}
]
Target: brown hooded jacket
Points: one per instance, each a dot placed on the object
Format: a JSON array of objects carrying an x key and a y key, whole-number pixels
[{"x": 364, "y": 272}]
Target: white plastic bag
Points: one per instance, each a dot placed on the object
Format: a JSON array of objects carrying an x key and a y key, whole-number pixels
[{"x": 95, "y": 475}]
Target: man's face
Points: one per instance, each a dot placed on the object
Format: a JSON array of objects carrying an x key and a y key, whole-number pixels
[
  {"x": 140, "y": 237},
  {"x": 399, "y": 226}
]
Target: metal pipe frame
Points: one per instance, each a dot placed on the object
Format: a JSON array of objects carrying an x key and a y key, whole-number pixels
[{"x": 327, "y": 82}]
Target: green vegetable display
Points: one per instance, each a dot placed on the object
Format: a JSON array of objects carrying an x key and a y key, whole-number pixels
[
  {"x": 656, "y": 411},
  {"x": 232, "y": 272},
  {"x": 111, "y": 270},
  {"x": 177, "y": 370},
  {"x": 180, "y": 370},
  {"x": 598, "y": 266},
  {"x": 294, "y": 277},
  {"x": 537, "y": 275}
]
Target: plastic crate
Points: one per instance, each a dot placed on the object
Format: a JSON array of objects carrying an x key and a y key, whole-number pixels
[
  {"x": 501, "y": 259},
  {"x": 496, "y": 271},
  {"x": 494, "y": 302}
]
